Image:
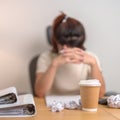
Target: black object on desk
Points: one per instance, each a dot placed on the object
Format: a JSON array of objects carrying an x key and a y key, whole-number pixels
[{"x": 103, "y": 101}]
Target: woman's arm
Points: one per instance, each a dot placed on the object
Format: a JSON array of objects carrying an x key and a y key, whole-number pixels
[
  {"x": 95, "y": 70},
  {"x": 97, "y": 74},
  {"x": 45, "y": 80},
  {"x": 80, "y": 56}
]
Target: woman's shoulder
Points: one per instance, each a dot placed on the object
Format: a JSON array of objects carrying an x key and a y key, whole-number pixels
[
  {"x": 92, "y": 53},
  {"x": 46, "y": 54}
]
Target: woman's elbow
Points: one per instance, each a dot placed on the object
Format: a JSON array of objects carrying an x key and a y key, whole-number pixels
[
  {"x": 39, "y": 93},
  {"x": 102, "y": 93}
]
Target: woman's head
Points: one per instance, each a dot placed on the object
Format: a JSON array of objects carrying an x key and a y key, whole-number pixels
[{"x": 67, "y": 31}]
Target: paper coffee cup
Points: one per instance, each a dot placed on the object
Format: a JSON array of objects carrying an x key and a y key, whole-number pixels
[{"x": 89, "y": 92}]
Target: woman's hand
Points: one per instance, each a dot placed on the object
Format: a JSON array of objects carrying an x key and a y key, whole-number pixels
[
  {"x": 86, "y": 57},
  {"x": 76, "y": 55},
  {"x": 61, "y": 60}
]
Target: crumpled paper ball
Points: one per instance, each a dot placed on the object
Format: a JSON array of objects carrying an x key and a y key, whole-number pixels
[
  {"x": 59, "y": 106},
  {"x": 56, "y": 106},
  {"x": 114, "y": 101},
  {"x": 72, "y": 105}
]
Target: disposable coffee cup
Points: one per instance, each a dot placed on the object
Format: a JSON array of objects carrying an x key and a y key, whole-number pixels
[{"x": 89, "y": 92}]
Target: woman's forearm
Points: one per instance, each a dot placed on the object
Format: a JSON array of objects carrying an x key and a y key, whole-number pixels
[
  {"x": 44, "y": 81},
  {"x": 96, "y": 73}
]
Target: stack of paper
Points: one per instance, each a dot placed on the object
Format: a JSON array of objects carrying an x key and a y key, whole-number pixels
[{"x": 13, "y": 105}]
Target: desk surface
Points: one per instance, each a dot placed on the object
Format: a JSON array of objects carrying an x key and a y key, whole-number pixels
[{"x": 44, "y": 113}]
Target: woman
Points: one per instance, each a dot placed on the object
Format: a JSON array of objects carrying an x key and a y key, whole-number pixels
[{"x": 60, "y": 70}]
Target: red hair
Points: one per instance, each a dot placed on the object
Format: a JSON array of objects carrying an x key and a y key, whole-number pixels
[{"x": 66, "y": 30}]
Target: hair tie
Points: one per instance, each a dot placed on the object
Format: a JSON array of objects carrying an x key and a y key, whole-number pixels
[{"x": 65, "y": 19}]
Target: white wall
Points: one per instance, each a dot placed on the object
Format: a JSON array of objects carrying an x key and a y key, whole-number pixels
[{"x": 22, "y": 35}]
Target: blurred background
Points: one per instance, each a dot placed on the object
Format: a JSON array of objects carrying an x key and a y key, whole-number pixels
[{"x": 23, "y": 35}]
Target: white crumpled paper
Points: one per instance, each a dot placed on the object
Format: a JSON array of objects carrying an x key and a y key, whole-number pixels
[
  {"x": 56, "y": 106},
  {"x": 59, "y": 106},
  {"x": 58, "y": 103},
  {"x": 114, "y": 101}
]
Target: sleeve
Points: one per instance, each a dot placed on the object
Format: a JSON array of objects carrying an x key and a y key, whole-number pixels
[{"x": 43, "y": 62}]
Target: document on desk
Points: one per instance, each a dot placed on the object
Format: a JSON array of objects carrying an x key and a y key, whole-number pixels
[
  {"x": 61, "y": 98},
  {"x": 24, "y": 107},
  {"x": 8, "y": 96}
]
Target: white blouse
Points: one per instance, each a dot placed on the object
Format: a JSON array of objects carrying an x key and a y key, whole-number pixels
[{"x": 67, "y": 76}]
